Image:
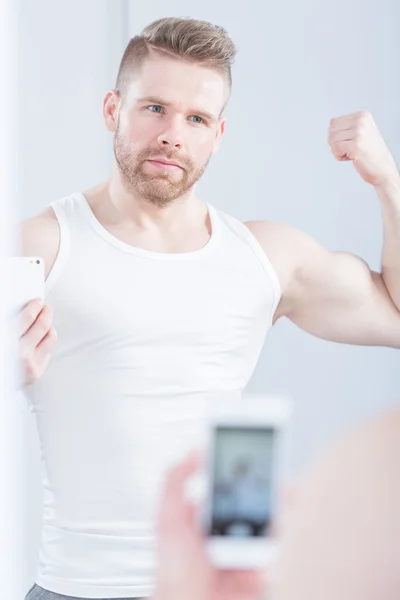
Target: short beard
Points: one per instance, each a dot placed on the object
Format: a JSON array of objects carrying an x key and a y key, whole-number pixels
[{"x": 161, "y": 189}]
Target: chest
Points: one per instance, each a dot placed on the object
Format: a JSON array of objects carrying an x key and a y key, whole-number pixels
[{"x": 162, "y": 302}]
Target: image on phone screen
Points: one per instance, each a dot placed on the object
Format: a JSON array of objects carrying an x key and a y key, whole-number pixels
[{"x": 243, "y": 481}]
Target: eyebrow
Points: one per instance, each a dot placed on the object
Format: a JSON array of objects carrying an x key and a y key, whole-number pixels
[{"x": 157, "y": 100}]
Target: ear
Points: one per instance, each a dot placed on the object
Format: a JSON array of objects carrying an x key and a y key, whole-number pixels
[
  {"x": 111, "y": 106},
  {"x": 219, "y": 134}
]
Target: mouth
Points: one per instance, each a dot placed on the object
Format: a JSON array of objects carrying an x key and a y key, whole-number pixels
[{"x": 164, "y": 164}]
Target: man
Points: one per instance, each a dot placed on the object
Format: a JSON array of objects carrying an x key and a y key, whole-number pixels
[
  {"x": 243, "y": 500},
  {"x": 159, "y": 296},
  {"x": 339, "y": 538}
]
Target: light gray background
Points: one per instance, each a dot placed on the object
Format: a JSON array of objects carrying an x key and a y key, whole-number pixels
[{"x": 299, "y": 64}]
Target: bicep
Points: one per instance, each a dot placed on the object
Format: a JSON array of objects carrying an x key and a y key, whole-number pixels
[{"x": 338, "y": 298}]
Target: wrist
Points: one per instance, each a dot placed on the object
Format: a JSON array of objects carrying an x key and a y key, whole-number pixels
[{"x": 390, "y": 184}]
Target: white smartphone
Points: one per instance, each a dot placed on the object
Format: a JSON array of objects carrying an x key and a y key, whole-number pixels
[
  {"x": 24, "y": 281},
  {"x": 25, "y": 278},
  {"x": 246, "y": 454}
]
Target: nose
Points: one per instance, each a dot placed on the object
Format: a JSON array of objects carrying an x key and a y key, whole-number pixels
[{"x": 172, "y": 135}]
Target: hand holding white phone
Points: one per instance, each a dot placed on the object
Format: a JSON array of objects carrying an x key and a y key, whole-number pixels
[
  {"x": 245, "y": 456},
  {"x": 30, "y": 320}
]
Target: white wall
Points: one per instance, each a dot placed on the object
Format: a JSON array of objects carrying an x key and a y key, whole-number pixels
[
  {"x": 298, "y": 65},
  {"x": 67, "y": 59},
  {"x": 68, "y": 56},
  {"x": 11, "y": 447}
]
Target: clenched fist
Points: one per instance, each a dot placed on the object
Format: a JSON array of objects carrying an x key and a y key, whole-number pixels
[
  {"x": 37, "y": 340},
  {"x": 356, "y": 137}
]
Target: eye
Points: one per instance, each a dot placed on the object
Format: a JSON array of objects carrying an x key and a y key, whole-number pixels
[
  {"x": 156, "y": 106},
  {"x": 198, "y": 120}
]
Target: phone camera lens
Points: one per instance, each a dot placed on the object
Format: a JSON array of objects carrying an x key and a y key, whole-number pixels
[{"x": 38, "y": 262}]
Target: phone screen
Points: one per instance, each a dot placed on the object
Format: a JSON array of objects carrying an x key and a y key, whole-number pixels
[{"x": 242, "y": 487}]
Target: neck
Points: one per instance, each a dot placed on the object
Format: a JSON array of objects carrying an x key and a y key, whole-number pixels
[{"x": 119, "y": 204}]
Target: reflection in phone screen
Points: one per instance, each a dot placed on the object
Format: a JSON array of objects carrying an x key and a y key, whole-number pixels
[{"x": 243, "y": 481}]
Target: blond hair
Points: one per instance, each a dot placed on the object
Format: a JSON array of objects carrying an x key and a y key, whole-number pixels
[{"x": 197, "y": 41}]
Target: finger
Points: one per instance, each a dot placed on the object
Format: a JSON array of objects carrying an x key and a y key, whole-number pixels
[
  {"x": 247, "y": 580},
  {"x": 240, "y": 584},
  {"x": 341, "y": 124},
  {"x": 343, "y": 150},
  {"x": 346, "y": 121},
  {"x": 178, "y": 475},
  {"x": 29, "y": 315},
  {"x": 173, "y": 497},
  {"x": 36, "y": 333},
  {"x": 190, "y": 514},
  {"x": 342, "y": 135},
  {"x": 33, "y": 370},
  {"x": 46, "y": 345}
]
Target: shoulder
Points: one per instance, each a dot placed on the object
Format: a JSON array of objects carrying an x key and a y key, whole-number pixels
[
  {"x": 291, "y": 251},
  {"x": 270, "y": 234},
  {"x": 40, "y": 236},
  {"x": 282, "y": 243},
  {"x": 285, "y": 243}
]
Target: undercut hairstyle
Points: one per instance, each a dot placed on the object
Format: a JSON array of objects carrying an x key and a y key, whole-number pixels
[{"x": 180, "y": 37}]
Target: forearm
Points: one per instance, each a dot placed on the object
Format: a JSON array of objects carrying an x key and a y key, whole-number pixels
[{"x": 389, "y": 195}]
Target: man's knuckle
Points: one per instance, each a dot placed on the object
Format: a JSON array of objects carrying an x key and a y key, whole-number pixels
[
  {"x": 25, "y": 351},
  {"x": 363, "y": 121},
  {"x": 42, "y": 329},
  {"x": 29, "y": 317}
]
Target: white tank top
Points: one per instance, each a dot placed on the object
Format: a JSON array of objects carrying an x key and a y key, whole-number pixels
[{"x": 145, "y": 339}]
